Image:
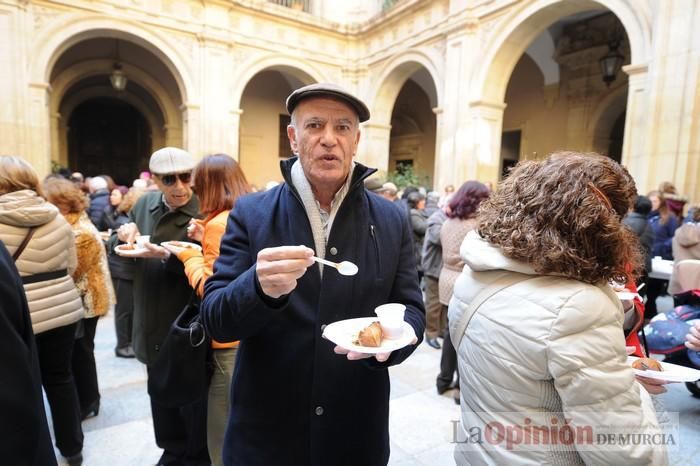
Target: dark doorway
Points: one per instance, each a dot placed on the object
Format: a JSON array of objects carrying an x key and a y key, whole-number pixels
[
  {"x": 108, "y": 137},
  {"x": 617, "y": 134},
  {"x": 510, "y": 150}
]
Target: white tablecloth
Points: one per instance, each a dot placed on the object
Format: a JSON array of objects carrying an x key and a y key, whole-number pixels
[{"x": 661, "y": 268}]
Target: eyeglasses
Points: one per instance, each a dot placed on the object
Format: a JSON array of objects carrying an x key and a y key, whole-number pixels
[{"x": 169, "y": 180}]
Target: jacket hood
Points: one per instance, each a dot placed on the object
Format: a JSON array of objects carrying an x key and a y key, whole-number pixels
[
  {"x": 688, "y": 235},
  {"x": 482, "y": 256},
  {"x": 25, "y": 208}
]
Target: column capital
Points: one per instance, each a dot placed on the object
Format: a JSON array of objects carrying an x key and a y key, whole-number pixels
[
  {"x": 487, "y": 104},
  {"x": 636, "y": 68},
  {"x": 378, "y": 126}
]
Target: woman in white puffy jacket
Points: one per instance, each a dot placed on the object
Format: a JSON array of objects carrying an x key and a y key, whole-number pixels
[
  {"x": 46, "y": 261},
  {"x": 543, "y": 369}
]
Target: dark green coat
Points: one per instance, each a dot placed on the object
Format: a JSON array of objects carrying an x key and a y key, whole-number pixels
[{"x": 161, "y": 289}]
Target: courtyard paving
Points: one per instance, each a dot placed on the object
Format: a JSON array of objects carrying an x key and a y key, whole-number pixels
[{"x": 421, "y": 421}]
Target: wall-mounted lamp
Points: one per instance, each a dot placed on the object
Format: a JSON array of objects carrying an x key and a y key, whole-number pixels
[
  {"x": 611, "y": 62},
  {"x": 118, "y": 78}
]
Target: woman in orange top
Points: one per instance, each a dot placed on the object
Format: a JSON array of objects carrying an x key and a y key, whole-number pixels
[{"x": 218, "y": 181}]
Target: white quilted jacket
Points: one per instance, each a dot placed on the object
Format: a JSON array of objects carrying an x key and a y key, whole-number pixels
[
  {"x": 549, "y": 347},
  {"x": 53, "y": 303}
]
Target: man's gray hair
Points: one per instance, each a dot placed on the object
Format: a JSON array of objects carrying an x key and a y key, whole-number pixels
[{"x": 96, "y": 183}]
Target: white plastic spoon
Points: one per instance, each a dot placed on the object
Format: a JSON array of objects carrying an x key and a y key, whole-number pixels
[{"x": 343, "y": 268}]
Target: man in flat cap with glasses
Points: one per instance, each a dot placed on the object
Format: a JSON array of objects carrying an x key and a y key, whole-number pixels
[
  {"x": 297, "y": 399},
  {"x": 161, "y": 290}
]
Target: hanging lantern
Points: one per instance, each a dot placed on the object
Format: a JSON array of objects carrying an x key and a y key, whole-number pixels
[
  {"x": 611, "y": 62},
  {"x": 118, "y": 78}
]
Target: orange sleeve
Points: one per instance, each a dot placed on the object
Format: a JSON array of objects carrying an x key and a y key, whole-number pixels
[{"x": 200, "y": 265}]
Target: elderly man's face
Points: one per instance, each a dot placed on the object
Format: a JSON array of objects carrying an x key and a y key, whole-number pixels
[
  {"x": 175, "y": 187},
  {"x": 325, "y": 137}
]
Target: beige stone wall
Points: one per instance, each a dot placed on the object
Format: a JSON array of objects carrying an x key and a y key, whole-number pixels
[
  {"x": 262, "y": 103},
  {"x": 543, "y": 126},
  {"x": 468, "y": 49}
]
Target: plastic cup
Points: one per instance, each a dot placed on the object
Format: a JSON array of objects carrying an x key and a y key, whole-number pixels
[
  {"x": 391, "y": 319},
  {"x": 142, "y": 240}
]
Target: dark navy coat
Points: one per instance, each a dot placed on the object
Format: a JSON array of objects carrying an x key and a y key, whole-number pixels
[
  {"x": 294, "y": 401},
  {"x": 24, "y": 432}
]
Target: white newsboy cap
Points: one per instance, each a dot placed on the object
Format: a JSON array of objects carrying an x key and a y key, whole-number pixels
[{"x": 171, "y": 160}]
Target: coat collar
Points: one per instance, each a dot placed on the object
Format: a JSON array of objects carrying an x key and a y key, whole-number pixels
[
  {"x": 191, "y": 209},
  {"x": 358, "y": 175}
]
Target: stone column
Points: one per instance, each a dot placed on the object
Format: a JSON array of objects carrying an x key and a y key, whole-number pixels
[
  {"x": 669, "y": 151},
  {"x": 486, "y": 125},
  {"x": 635, "y": 152},
  {"x": 38, "y": 152},
  {"x": 440, "y": 165},
  {"x": 374, "y": 146},
  {"x": 216, "y": 117},
  {"x": 233, "y": 132},
  {"x": 192, "y": 128}
]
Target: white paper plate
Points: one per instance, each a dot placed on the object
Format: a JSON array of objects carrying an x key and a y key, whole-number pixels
[
  {"x": 626, "y": 295},
  {"x": 182, "y": 244},
  {"x": 136, "y": 252},
  {"x": 670, "y": 372},
  {"x": 343, "y": 332}
]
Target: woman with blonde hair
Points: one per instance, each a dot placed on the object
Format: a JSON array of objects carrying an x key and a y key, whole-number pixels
[
  {"x": 537, "y": 326},
  {"x": 94, "y": 284},
  {"x": 43, "y": 248},
  {"x": 218, "y": 182}
]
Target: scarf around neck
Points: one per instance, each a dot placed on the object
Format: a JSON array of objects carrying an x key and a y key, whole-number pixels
[{"x": 313, "y": 208}]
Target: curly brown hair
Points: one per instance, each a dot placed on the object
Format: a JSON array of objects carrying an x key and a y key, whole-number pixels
[
  {"x": 65, "y": 195},
  {"x": 562, "y": 215}
]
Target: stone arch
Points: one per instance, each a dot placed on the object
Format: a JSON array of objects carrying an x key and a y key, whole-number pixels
[
  {"x": 63, "y": 82},
  {"x": 166, "y": 127},
  {"x": 392, "y": 78},
  {"x": 514, "y": 34},
  {"x": 68, "y": 106},
  {"x": 301, "y": 70},
  {"x": 68, "y": 30},
  {"x": 541, "y": 51},
  {"x": 604, "y": 116}
]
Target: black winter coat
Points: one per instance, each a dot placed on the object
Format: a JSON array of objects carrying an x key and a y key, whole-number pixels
[
  {"x": 161, "y": 289},
  {"x": 24, "y": 433},
  {"x": 639, "y": 224},
  {"x": 99, "y": 200},
  {"x": 294, "y": 401},
  {"x": 119, "y": 267}
]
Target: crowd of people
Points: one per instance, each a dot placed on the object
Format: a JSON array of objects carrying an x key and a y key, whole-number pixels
[{"x": 514, "y": 280}]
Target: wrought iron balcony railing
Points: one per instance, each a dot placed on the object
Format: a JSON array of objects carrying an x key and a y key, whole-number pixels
[{"x": 299, "y": 5}]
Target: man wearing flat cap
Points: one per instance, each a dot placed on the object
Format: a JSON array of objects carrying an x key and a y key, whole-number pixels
[
  {"x": 297, "y": 399},
  {"x": 161, "y": 291}
]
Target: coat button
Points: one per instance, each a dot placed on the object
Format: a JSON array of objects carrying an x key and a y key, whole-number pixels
[
  {"x": 157, "y": 347},
  {"x": 319, "y": 410},
  {"x": 334, "y": 251}
]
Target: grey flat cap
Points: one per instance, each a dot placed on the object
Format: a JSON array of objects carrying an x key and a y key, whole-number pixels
[
  {"x": 171, "y": 160},
  {"x": 373, "y": 184},
  {"x": 328, "y": 90}
]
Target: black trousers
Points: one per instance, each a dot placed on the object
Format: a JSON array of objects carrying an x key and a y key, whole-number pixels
[
  {"x": 123, "y": 310},
  {"x": 448, "y": 362},
  {"x": 181, "y": 433},
  {"x": 84, "y": 368},
  {"x": 55, "y": 348},
  {"x": 654, "y": 289}
]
